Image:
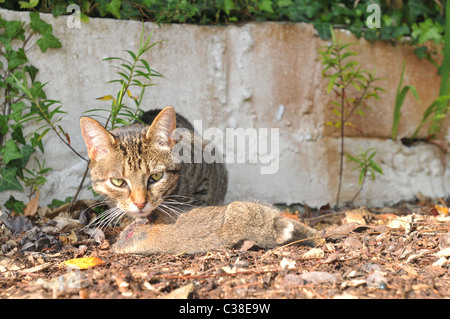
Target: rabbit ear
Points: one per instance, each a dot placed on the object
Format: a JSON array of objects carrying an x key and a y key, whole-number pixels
[
  {"x": 163, "y": 127},
  {"x": 98, "y": 140}
]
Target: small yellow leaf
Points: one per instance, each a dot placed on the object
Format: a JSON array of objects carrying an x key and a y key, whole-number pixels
[
  {"x": 84, "y": 263},
  {"x": 131, "y": 96},
  {"x": 442, "y": 209},
  {"x": 105, "y": 98}
]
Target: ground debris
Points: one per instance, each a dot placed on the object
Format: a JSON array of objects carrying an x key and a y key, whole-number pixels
[{"x": 391, "y": 253}]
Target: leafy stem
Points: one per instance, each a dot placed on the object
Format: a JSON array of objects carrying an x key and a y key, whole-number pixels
[
  {"x": 352, "y": 86},
  {"x": 367, "y": 167},
  {"x": 43, "y": 111}
]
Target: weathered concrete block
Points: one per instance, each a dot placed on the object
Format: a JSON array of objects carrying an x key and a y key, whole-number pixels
[{"x": 256, "y": 75}]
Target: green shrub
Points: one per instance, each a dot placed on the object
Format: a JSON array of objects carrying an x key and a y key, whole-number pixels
[
  {"x": 399, "y": 18},
  {"x": 23, "y": 100}
]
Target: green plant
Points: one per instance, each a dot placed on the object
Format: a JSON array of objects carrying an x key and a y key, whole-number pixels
[
  {"x": 133, "y": 73},
  {"x": 444, "y": 90},
  {"x": 437, "y": 110},
  {"x": 17, "y": 84},
  {"x": 399, "y": 99},
  {"x": 352, "y": 86},
  {"x": 366, "y": 166},
  {"x": 418, "y": 19}
]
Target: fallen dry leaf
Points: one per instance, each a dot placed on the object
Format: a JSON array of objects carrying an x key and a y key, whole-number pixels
[
  {"x": 123, "y": 287},
  {"x": 32, "y": 206},
  {"x": 356, "y": 216},
  {"x": 442, "y": 209},
  {"x": 314, "y": 253},
  {"x": 440, "y": 262},
  {"x": 353, "y": 283},
  {"x": 36, "y": 268},
  {"x": 443, "y": 253},
  {"x": 287, "y": 264},
  {"x": 70, "y": 239},
  {"x": 180, "y": 293},
  {"x": 84, "y": 263}
]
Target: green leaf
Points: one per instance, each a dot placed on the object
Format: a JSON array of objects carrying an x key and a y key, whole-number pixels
[
  {"x": 415, "y": 8},
  {"x": 399, "y": 98},
  {"x": 10, "y": 152},
  {"x": 47, "y": 40},
  {"x": 284, "y": 3},
  {"x": 16, "y": 58},
  {"x": 35, "y": 141},
  {"x": 8, "y": 180},
  {"x": 376, "y": 168},
  {"x": 17, "y": 134},
  {"x": 266, "y": 5},
  {"x": 57, "y": 203},
  {"x": 323, "y": 29},
  {"x": 26, "y": 152},
  {"x": 114, "y": 8},
  {"x": 228, "y": 5},
  {"x": 3, "y": 124},
  {"x": 332, "y": 82},
  {"x": 84, "y": 18},
  {"x": 14, "y": 30},
  {"x": 37, "y": 24},
  {"x": 421, "y": 52},
  {"x": 32, "y": 71},
  {"x": 362, "y": 175},
  {"x": 371, "y": 35},
  {"x": 444, "y": 89},
  {"x": 28, "y": 5},
  {"x": 133, "y": 56},
  {"x": 15, "y": 205}
]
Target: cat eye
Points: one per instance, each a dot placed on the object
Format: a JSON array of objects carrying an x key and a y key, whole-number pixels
[
  {"x": 117, "y": 182},
  {"x": 155, "y": 177}
]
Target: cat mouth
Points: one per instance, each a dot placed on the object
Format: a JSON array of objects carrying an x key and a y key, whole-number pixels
[{"x": 140, "y": 213}]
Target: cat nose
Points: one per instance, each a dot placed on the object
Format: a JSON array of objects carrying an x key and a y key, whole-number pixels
[{"x": 140, "y": 205}]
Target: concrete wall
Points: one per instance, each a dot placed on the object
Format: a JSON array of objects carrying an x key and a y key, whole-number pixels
[{"x": 261, "y": 75}]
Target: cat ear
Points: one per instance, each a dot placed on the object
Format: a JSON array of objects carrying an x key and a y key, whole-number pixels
[
  {"x": 98, "y": 140},
  {"x": 163, "y": 127}
]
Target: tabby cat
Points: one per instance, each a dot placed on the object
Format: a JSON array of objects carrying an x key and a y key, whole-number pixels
[{"x": 177, "y": 206}]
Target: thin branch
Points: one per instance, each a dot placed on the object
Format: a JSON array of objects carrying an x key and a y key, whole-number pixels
[{"x": 74, "y": 199}]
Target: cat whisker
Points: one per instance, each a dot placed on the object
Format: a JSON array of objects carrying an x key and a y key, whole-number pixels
[
  {"x": 175, "y": 210},
  {"x": 181, "y": 197},
  {"x": 172, "y": 201},
  {"x": 105, "y": 219},
  {"x": 103, "y": 202},
  {"x": 182, "y": 207},
  {"x": 113, "y": 214},
  {"x": 169, "y": 211},
  {"x": 180, "y": 200}
]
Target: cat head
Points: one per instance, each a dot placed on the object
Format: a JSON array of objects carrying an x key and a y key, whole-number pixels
[{"x": 133, "y": 165}]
